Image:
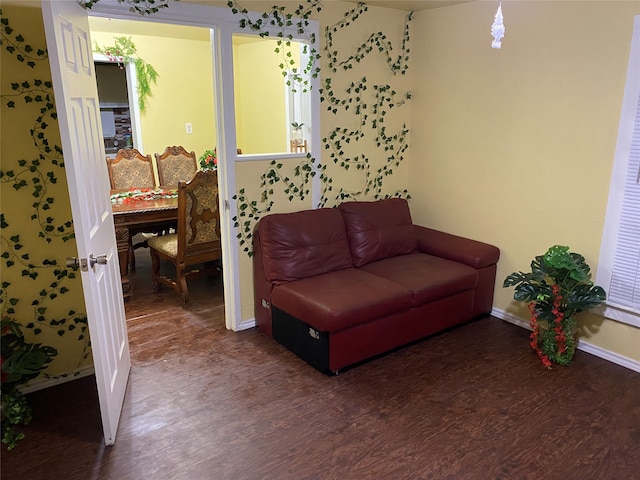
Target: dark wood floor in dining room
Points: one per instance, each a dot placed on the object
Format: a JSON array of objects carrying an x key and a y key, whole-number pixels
[{"x": 207, "y": 403}]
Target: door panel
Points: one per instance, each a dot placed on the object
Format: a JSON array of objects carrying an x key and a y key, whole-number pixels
[{"x": 69, "y": 45}]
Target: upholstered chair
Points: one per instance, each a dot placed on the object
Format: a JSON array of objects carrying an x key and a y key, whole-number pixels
[
  {"x": 131, "y": 169},
  {"x": 175, "y": 165},
  {"x": 197, "y": 237}
]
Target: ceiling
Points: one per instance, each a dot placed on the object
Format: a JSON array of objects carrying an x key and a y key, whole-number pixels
[{"x": 414, "y": 5}]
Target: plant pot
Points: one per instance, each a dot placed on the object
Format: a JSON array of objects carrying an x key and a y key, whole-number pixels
[
  {"x": 555, "y": 341},
  {"x": 297, "y": 137}
]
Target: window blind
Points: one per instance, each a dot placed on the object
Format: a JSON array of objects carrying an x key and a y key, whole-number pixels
[{"x": 624, "y": 289}]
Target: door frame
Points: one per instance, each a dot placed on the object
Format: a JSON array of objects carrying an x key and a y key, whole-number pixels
[
  {"x": 223, "y": 23},
  {"x": 211, "y": 18}
]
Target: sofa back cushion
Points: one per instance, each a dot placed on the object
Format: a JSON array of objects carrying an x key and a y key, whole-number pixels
[
  {"x": 379, "y": 229},
  {"x": 303, "y": 244}
]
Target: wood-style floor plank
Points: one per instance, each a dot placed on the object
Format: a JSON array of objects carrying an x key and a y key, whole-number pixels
[{"x": 206, "y": 403}]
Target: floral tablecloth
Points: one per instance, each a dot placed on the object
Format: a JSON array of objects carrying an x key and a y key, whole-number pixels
[{"x": 142, "y": 194}]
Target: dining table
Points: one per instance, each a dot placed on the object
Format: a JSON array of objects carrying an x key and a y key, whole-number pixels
[{"x": 140, "y": 210}]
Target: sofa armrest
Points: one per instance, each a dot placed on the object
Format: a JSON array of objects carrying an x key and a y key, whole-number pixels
[{"x": 459, "y": 249}]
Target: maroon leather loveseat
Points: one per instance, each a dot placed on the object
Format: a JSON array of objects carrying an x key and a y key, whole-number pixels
[{"x": 340, "y": 285}]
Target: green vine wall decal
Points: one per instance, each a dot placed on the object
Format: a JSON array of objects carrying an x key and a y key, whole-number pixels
[
  {"x": 33, "y": 178},
  {"x": 371, "y": 120},
  {"x": 392, "y": 145},
  {"x": 376, "y": 41},
  {"x": 143, "y": 7},
  {"x": 250, "y": 211},
  {"x": 283, "y": 22}
]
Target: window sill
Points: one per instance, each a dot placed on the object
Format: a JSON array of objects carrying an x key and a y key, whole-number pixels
[{"x": 620, "y": 314}]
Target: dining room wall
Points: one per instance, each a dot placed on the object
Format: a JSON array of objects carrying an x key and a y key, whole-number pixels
[
  {"x": 183, "y": 92},
  {"x": 259, "y": 96}
]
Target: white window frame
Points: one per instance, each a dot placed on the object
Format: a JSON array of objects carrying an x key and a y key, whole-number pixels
[
  {"x": 297, "y": 105},
  {"x": 625, "y": 160}
]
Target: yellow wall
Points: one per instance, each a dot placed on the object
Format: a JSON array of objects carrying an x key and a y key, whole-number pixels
[
  {"x": 184, "y": 90},
  {"x": 53, "y": 301},
  {"x": 511, "y": 146},
  {"x": 373, "y": 70},
  {"x": 515, "y": 146},
  {"x": 260, "y": 98}
]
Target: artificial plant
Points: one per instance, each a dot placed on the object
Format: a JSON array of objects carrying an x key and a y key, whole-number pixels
[
  {"x": 124, "y": 51},
  {"x": 21, "y": 361},
  {"x": 557, "y": 287}
]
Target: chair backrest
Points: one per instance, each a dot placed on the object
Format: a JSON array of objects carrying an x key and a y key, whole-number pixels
[
  {"x": 131, "y": 169},
  {"x": 198, "y": 228},
  {"x": 176, "y": 165}
]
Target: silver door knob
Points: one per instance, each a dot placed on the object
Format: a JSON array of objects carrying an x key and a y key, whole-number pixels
[
  {"x": 100, "y": 260},
  {"x": 72, "y": 262}
]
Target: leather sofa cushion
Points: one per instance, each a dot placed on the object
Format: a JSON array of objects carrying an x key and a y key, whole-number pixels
[
  {"x": 303, "y": 244},
  {"x": 341, "y": 299},
  {"x": 379, "y": 229},
  {"x": 427, "y": 277}
]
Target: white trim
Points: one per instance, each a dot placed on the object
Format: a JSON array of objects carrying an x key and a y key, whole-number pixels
[
  {"x": 40, "y": 383},
  {"x": 134, "y": 106},
  {"x": 621, "y": 314},
  {"x": 246, "y": 325},
  {"x": 264, "y": 157},
  {"x": 582, "y": 345}
]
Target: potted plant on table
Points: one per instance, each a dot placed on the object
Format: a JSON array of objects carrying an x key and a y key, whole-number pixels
[
  {"x": 209, "y": 160},
  {"x": 558, "y": 286},
  {"x": 297, "y": 137}
]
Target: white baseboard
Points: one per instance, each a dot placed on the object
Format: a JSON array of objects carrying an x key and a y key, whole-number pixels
[
  {"x": 247, "y": 324},
  {"x": 40, "y": 383},
  {"x": 582, "y": 345}
]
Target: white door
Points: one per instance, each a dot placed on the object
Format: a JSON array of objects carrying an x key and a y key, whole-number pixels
[{"x": 69, "y": 46}]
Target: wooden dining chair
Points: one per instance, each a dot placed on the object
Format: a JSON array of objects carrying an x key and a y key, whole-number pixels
[
  {"x": 175, "y": 165},
  {"x": 197, "y": 237},
  {"x": 130, "y": 169}
]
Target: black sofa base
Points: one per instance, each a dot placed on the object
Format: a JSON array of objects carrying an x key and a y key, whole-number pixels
[{"x": 302, "y": 339}]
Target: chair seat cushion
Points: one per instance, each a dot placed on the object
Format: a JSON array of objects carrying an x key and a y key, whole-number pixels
[{"x": 165, "y": 244}]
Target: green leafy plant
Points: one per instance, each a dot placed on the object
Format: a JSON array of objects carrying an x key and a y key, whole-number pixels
[
  {"x": 557, "y": 287},
  {"x": 124, "y": 51},
  {"x": 21, "y": 361}
]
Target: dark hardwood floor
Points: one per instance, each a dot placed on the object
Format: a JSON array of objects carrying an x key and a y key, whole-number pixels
[{"x": 207, "y": 403}]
